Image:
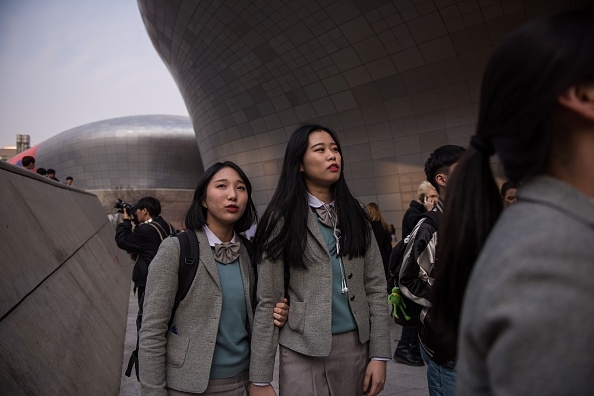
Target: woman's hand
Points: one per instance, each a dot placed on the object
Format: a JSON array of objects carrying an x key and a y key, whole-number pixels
[
  {"x": 266, "y": 390},
  {"x": 280, "y": 313},
  {"x": 375, "y": 377}
]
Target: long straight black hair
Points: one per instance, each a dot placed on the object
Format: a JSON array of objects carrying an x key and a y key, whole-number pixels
[
  {"x": 521, "y": 85},
  {"x": 196, "y": 215},
  {"x": 289, "y": 207}
]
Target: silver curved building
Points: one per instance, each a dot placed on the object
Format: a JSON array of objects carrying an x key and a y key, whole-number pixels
[
  {"x": 128, "y": 158},
  {"x": 137, "y": 152},
  {"x": 395, "y": 79}
]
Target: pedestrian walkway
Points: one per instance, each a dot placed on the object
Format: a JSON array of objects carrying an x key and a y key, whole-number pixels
[{"x": 402, "y": 380}]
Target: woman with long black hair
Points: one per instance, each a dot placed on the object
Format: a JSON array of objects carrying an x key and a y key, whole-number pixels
[
  {"x": 315, "y": 244},
  {"x": 517, "y": 286}
]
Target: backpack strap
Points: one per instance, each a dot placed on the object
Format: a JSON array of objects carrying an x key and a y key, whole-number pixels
[
  {"x": 189, "y": 258},
  {"x": 162, "y": 233},
  {"x": 171, "y": 230}
]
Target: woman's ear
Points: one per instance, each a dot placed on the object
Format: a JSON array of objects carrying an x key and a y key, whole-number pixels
[{"x": 579, "y": 99}]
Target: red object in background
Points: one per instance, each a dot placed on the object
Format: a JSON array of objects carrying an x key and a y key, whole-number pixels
[{"x": 16, "y": 160}]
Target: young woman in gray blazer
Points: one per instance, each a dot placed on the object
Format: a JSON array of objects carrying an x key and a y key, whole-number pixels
[
  {"x": 516, "y": 285},
  {"x": 206, "y": 349},
  {"x": 315, "y": 245}
]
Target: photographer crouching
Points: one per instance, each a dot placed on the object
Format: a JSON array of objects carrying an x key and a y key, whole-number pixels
[{"x": 143, "y": 242}]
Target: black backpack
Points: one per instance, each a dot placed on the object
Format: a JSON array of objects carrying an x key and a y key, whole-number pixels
[
  {"x": 405, "y": 312},
  {"x": 189, "y": 257}
]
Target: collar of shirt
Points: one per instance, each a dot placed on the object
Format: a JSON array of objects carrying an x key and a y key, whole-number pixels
[
  {"x": 314, "y": 202},
  {"x": 212, "y": 238},
  {"x": 148, "y": 221}
]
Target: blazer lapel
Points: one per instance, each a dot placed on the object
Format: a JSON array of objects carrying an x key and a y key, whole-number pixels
[
  {"x": 207, "y": 258},
  {"x": 314, "y": 228}
]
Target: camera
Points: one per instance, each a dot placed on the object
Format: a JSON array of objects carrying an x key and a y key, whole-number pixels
[{"x": 121, "y": 205}]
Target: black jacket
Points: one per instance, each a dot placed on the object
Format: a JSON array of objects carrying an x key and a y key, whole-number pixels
[
  {"x": 143, "y": 241},
  {"x": 409, "y": 220}
]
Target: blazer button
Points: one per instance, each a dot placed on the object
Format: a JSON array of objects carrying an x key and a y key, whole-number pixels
[
  {"x": 352, "y": 298},
  {"x": 350, "y": 275}
]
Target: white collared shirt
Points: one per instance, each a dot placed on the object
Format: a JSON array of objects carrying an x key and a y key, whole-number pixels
[
  {"x": 213, "y": 239},
  {"x": 315, "y": 202}
]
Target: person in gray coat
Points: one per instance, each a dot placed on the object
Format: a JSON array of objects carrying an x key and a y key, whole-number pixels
[
  {"x": 516, "y": 285},
  {"x": 315, "y": 245},
  {"x": 206, "y": 349}
]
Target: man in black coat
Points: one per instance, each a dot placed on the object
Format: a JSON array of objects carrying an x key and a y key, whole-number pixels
[{"x": 142, "y": 241}]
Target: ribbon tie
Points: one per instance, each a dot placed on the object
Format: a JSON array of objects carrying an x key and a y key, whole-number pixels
[
  {"x": 327, "y": 215},
  {"x": 226, "y": 252}
]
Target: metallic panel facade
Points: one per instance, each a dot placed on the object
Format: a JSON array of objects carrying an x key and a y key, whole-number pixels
[
  {"x": 395, "y": 79},
  {"x": 137, "y": 152}
]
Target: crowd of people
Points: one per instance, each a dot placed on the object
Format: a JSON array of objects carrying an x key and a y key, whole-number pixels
[
  {"x": 28, "y": 162},
  {"x": 494, "y": 286}
]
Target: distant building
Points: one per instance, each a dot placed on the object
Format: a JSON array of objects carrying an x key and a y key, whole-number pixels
[
  {"x": 7, "y": 151},
  {"x": 23, "y": 143}
]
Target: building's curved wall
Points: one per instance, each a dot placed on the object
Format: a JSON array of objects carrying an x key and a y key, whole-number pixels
[
  {"x": 63, "y": 295},
  {"x": 395, "y": 79},
  {"x": 136, "y": 152}
]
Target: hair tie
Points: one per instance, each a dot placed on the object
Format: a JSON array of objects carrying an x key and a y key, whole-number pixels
[{"x": 482, "y": 145}]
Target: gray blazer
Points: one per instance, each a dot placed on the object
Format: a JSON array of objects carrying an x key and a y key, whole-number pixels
[
  {"x": 528, "y": 314},
  {"x": 308, "y": 329},
  {"x": 183, "y": 361}
]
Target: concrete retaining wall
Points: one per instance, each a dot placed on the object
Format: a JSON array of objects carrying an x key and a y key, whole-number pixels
[{"x": 63, "y": 295}]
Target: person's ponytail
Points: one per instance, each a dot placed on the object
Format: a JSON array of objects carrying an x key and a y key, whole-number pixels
[{"x": 472, "y": 208}]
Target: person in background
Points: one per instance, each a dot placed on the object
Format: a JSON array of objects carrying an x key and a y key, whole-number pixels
[
  {"x": 69, "y": 180},
  {"x": 393, "y": 234},
  {"x": 509, "y": 190},
  {"x": 516, "y": 285},
  {"x": 407, "y": 351},
  {"x": 427, "y": 198},
  {"x": 41, "y": 171},
  {"x": 381, "y": 232},
  {"x": 28, "y": 162},
  {"x": 51, "y": 173},
  {"x": 205, "y": 349},
  {"x": 142, "y": 242},
  {"x": 438, "y": 350},
  {"x": 315, "y": 244}
]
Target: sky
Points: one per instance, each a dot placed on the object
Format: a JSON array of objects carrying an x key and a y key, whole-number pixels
[{"x": 67, "y": 63}]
